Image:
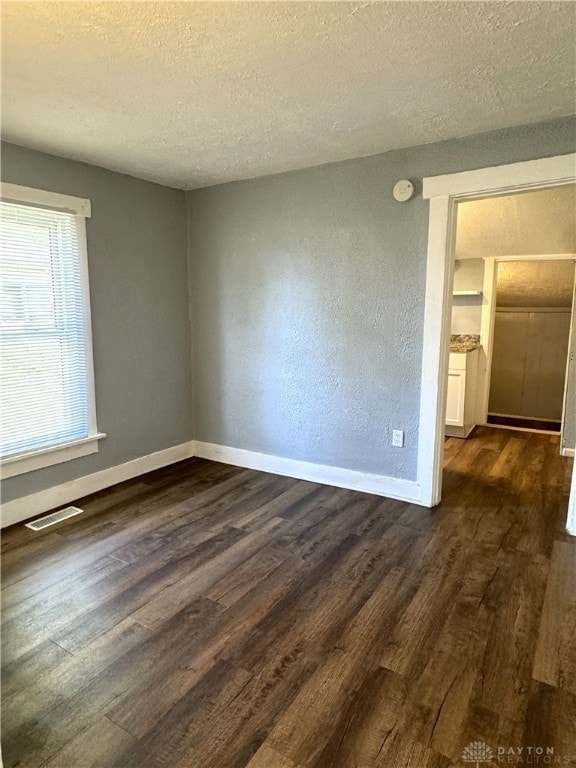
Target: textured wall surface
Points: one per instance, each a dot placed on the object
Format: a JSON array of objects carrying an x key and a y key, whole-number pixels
[
  {"x": 197, "y": 93},
  {"x": 542, "y": 221},
  {"x": 308, "y": 296},
  {"x": 138, "y": 286},
  {"x": 467, "y": 310}
]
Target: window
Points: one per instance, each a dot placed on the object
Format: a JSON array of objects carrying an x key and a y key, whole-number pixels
[{"x": 46, "y": 373}]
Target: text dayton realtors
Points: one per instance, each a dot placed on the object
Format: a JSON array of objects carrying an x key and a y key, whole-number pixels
[{"x": 532, "y": 756}]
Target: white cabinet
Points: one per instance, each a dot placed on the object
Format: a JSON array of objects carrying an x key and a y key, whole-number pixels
[
  {"x": 461, "y": 396},
  {"x": 456, "y": 396}
]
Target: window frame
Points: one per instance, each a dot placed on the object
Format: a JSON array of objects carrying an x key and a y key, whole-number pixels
[{"x": 28, "y": 461}]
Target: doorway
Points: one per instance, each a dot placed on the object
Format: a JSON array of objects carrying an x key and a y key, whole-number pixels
[{"x": 444, "y": 194}]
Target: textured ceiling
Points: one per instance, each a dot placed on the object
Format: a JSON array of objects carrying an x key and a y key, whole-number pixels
[
  {"x": 196, "y": 93},
  {"x": 524, "y": 224},
  {"x": 535, "y": 283}
]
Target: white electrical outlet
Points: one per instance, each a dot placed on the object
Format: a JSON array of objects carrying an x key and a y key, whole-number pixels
[{"x": 398, "y": 438}]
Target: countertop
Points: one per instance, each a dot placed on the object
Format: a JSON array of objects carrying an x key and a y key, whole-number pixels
[{"x": 464, "y": 342}]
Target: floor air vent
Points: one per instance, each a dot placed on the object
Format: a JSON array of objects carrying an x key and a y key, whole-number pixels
[{"x": 55, "y": 517}]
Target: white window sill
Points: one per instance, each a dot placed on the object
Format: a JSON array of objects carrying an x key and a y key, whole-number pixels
[{"x": 20, "y": 463}]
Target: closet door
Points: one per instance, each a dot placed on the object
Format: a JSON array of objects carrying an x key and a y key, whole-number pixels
[
  {"x": 545, "y": 372},
  {"x": 508, "y": 363},
  {"x": 529, "y": 364}
]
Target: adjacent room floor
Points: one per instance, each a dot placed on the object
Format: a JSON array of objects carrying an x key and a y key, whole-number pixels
[{"x": 205, "y": 615}]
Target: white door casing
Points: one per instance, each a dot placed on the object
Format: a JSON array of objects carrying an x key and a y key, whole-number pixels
[{"x": 444, "y": 192}]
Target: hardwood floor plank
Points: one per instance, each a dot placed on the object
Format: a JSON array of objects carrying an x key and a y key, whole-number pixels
[
  {"x": 506, "y": 671},
  {"x": 15, "y": 605},
  {"x": 140, "y": 594},
  {"x": 66, "y": 556},
  {"x": 326, "y": 600},
  {"x": 244, "y": 578},
  {"x": 167, "y": 686},
  {"x": 69, "y": 555},
  {"x": 551, "y": 721},
  {"x": 370, "y": 729},
  {"x": 510, "y": 458},
  {"x": 441, "y": 674},
  {"x": 276, "y": 679},
  {"x": 80, "y": 616},
  {"x": 42, "y": 735},
  {"x": 340, "y": 676},
  {"x": 28, "y": 668},
  {"x": 167, "y": 741},
  {"x": 104, "y": 739},
  {"x": 549, "y": 474},
  {"x": 280, "y": 506},
  {"x": 266, "y": 757},
  {"x": 416, "y": 634},
  {"x": 177, "y": 594},
  {"x": 53, "y": 686},
  {"x": 555, "y": 658}
]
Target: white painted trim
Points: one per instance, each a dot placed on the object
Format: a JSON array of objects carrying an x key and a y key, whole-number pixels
[
  {"x": 545, "y": 172},
  {"x": 87, "y": 315},
  {"x": 444, "y": 193},
  {"x": 14, "y": 193},
  {"x": 571, "y": 519},
  {"x": 569, "y": 452},
  {"x": 20, "y": 463},
  {"x": 43, "y": 501},
  {"x": 569, "y": 362},
  {"x": 380, "y": 485},
  {"x": 435, "y": 353}
]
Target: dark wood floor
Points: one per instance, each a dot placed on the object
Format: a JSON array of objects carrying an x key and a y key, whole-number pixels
[{"x": 205, "y": 616}]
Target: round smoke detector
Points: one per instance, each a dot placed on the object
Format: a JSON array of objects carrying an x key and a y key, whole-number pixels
[{"x": 403, "y": 190}]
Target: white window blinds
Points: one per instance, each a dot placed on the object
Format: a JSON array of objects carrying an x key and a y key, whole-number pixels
[{"x": 45, "y": 399}]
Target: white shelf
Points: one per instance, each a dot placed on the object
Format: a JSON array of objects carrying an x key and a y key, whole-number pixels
[{"x": 467, "y": 293}]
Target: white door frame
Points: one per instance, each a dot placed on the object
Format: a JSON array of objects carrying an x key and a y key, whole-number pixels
[
  {"x": 444, "y": 193},
  {"x": 488, "y": 320}
]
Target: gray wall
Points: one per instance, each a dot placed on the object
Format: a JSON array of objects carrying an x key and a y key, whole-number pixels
[
  {"x": 308, "y": 296},
  {"x": 138, "y": 286},
  {"x": 467, "y": 310}
]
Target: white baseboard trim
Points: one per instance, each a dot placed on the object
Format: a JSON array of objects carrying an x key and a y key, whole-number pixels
[
  {"x": 380, "y": 485},
  {"x": 568, "y": 452},
  {"x": 17, "y": 510},
  {"x": 36, "y": 503}
]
